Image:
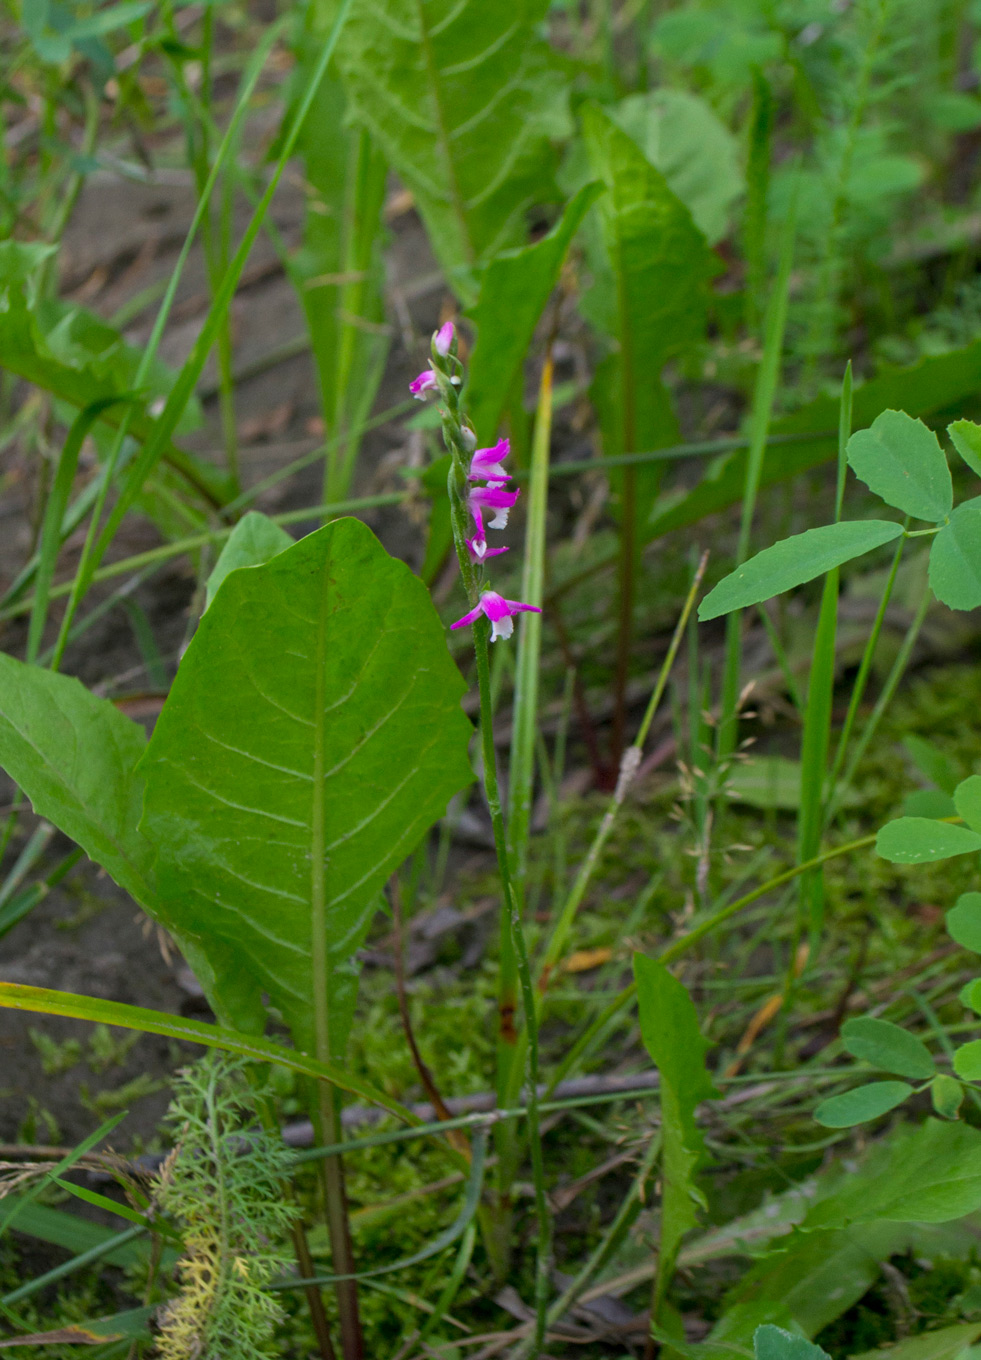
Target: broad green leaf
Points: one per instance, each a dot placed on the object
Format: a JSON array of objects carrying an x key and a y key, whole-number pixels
[
  {"x": 929, "y": 385},
  {"x": 463, "y": 97},
  {"x": 514, "y": 289},
  {"x": 794, "y": 561},
  {"x": 947, "y": 1096},
  {"x": 888, "y": 1047},
  {"x": 80, "y": 358},
  {"x": 901, "y": 460},
  {"x": 966, "y": 439},
  {"x": 805, "y": 1286},
  {"x": 934, "y": 763},
  {"x": 254, "y": 540},
  {"x": 918, "y": 840},
  {"x": 967, "y": 1058},
  {"x": 773, "y": 1343},
  {"x": 864, "y": 1102},
  {"x": 947, "y": 1343},
  {"x": 963, "y": 921},
  {"x": 955, "y": 559},
  {"x": 671, "y": 1034},
  {"x": 693, "y": 149},
  {"x": 927, "y": 1174},
  {"x": 928, "y": 803},
  {"x": 967, "y": 800},
  {"x": 75, "y": 756},
  {"x": 653, "y": 301},
  {"x": 312, "y": 735},
  {"x": 339, "y": 271}
]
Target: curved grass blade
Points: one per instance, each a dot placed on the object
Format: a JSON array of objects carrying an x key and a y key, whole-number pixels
[{"x": 42, "y": 1000}]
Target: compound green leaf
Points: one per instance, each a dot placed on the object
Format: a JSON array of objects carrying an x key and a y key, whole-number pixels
[
  {"x": 861, "y": 1104},
  {"x": 888, "y": 1047},
  {"x": 947, "y": 1096},
  {"x": 955, "y": 559},
  {"x": 255, "y": 539},
  {"x": 967, "y": 1058},
  {"x": 932, "y": 384},
  {"x": 670, "y": 1030},
  {"x": 901, "y": 460},
  {"x": 463, "y": 98},
  {"x": 963, "y": 921},
  {"x": 794, "y": 561},
  {"x": 966, "y": 439},
  {"x": 967, "y": 800},
  {"x": 920, "y": 840},
  {"x": 514, "y": 289},
  {"x": 773, "y": 1343},
  {"x": 970, "y": 995},
  {"x": 313, "y": 734}
]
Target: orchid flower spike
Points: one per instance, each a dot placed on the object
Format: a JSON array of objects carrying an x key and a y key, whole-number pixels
[
  {"x": 443, "y": 339},
  {"x": 491, "y": 498},
  {"x": 499, "y": 611},
  {"x": 426, "y": 382},
  {"x": 486, "y": 464},
  {"x": 478, "y": 549}
]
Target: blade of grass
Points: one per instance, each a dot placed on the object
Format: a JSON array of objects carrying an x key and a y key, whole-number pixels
[
  {"x": 762, "y": 411},
  {"x": 631, "y": 761},
  {"x": 528, "y": 658},
  {"x": 86, "y": 1145},
  {"x": 96, "y": 543},
  {"x": 20, "y": 997},
  {"x": 816, "y": 737},
  {"x": 54, "y": 514}
]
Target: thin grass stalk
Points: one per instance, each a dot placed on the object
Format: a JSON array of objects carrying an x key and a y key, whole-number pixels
[
  {"x": 836, "y": 789},
  {"x": 685, "y": 942},
  {"x": 888, "y": 690},
  {"x": 763, "y": 399},
  {"x": 606, "y": 1248},
  {"x": 95, "y": 546},
  {"x": 365, "y": 192},
  {"x": 630, "y": 764},
  {"x": 521, "y": 770},
  {"x": 189, "y": 374},
  {"x": 816, "y": 737}
]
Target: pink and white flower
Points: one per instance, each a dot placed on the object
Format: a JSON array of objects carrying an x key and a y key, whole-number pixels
[
  {"x": 443, "y": 339},
  {"x": 486, "y": 464},
  {"x": 426, "y": 382},
  {"x": 499, "y": 612},
  {"x": 478, "y": 549},
  {"x": 494, "y": 498}
]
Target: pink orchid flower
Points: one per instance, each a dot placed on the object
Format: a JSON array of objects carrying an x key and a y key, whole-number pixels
[
  {"x": 491, "y": 498},
  {"x": 443, "y": 339},
  {"x": 499, "y": 611},
  {"x": 478, "y": 549},
  {"x": 486, "y": 464},
  {"x": 426, "y": 382}
]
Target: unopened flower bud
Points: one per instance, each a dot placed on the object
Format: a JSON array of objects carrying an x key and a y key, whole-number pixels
[{"x": 443, "y": 339}]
